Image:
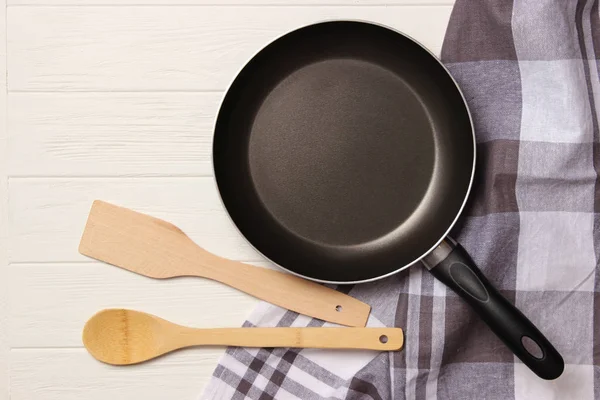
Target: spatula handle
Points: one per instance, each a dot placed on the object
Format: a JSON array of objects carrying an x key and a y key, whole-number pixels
[
  {"x": 288, "y": 291},
  {"x": 383, "y": 339}
]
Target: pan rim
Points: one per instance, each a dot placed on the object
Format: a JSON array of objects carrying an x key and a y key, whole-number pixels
[{"x": 466, "y": 196}]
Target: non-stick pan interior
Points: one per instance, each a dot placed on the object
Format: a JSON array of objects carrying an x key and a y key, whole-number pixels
[{"x": 343, "y": 151}]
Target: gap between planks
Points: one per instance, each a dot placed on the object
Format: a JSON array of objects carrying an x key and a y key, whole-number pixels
[
  {"x": 245, "y": 5},
  {"x": 110, "y": 177},
  {"x": 119, "y": 91},
  {"x": 48, "y": 348},
  {"x": 50, "y": 264}
]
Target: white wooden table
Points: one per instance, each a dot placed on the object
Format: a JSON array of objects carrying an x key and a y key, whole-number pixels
[{"x": 115, "y": 100}]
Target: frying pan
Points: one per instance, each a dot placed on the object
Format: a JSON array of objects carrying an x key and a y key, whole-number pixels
[{"x": 344, "y": 152}]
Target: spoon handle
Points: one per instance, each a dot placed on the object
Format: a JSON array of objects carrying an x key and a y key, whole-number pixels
[{"x": 382, "y": 339}]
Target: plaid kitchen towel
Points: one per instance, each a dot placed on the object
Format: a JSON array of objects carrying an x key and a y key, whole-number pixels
[{"x": 529, "y": 71}]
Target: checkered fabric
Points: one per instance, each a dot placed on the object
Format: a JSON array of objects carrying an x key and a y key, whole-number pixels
[{"x": 530, "y": 74}]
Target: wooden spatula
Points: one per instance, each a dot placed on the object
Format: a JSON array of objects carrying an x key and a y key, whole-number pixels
[
  {"x": 152, "y": 247},
  {"x": 121, "y": 337}
]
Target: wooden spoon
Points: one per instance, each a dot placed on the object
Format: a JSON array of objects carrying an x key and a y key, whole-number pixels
[
  {"x": 158, "y": 249},
  {"x": 121, "y": 337}
]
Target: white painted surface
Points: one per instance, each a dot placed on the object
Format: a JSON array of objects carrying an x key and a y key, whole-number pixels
[
  {"x": 115, "y": 100},
  {"x": 174, "y": 48},
  {"x": 4, "y": 284}
]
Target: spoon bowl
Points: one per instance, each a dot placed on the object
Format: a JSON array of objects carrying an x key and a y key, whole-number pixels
[{"x": 125, "y": 337}]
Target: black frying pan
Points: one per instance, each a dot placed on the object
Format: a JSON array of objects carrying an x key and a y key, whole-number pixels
[{"x": 344, "y": 152}]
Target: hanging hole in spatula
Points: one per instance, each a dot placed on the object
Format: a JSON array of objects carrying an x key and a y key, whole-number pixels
[{"x": 383, "y": 339}]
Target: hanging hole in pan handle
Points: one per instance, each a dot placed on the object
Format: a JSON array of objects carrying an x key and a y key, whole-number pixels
[
  {"x": 383, "y": 339},
  {"x": 339, "y": 308},
  {"x": 532, "y": 347}
]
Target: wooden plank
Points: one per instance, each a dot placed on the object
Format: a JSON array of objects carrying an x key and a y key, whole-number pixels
[
  {"x": 100, "y": 134},
  {"x": 311, "y": 3},
  {"x": 47, "y": 216},
  {"x": 59, "y": 299},
  {"x": 72, "y": 374},
  {"x": 170, "y": 48},
  {"x": 4, "y": 284}
]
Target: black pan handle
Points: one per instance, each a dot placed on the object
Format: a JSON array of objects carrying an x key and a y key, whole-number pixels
[{"x": 451, "y": 264}]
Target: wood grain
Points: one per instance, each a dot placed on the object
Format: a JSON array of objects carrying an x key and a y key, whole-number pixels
[
  {"x": 58, "y": 299},
  {"x": 4, "y": 284},
  {"x": 72, "y": 374},
  {"x": 124, "y": 337},
  {"x": 158, "y": 249},
  {"x": 47, "y": 216},
  {"x": 179, "y": 48},
  {"x": 106, "y": 134}
]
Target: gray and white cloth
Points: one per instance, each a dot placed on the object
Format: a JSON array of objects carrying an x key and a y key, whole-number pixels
[{"x": 530, "y": 74}]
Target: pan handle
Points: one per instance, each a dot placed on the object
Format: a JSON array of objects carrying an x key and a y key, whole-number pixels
[{"x": 452, "y": 265}]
